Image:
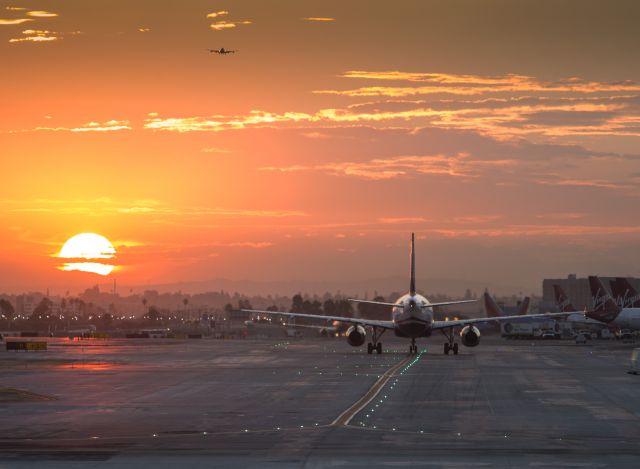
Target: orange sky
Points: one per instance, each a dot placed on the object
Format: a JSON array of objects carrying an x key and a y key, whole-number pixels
[{"x": 506, "y": 136}]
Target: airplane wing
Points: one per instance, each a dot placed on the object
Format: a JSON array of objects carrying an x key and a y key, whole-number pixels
[
  {"x": 466, "y": 322},
  {"x": 444, "y": 303},
  {"x": 358, "y": 321}
]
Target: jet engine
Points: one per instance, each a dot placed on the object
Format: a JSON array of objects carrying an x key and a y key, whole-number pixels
[
  {"x": 470, "y": 336},
  {"x": 356, "y": 336}
]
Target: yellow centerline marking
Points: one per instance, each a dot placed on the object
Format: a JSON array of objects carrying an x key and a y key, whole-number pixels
[{"x": 345, "y": 417}]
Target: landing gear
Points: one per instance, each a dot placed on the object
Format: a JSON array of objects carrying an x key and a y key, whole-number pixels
[
  {"x": 449, "y": 346},
  {"x": 413, "y": 348},
  {"x": 375, "y": 344}
]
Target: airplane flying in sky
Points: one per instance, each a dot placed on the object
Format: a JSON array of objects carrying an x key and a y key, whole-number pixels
[
  {"x": 222, "y": 51},
  {"x": 606, "y": 310},
  {"x": 412, "y": 318}
]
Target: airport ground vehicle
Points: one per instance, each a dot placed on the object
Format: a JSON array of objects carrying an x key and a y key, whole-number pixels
[
  {"x": 625, "y": 334},
  {"x": 547, "y": 335},
  {"x": 412, "y": 318},
  {"x": 581, "y": 339}
]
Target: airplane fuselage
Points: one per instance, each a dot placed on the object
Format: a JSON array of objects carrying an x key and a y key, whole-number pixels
[
  {"x": 629, "y": 318},
  {"x": 411, "y": 317}
]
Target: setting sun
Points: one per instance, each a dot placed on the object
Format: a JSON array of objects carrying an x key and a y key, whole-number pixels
[{"x": 84, "y": 250}]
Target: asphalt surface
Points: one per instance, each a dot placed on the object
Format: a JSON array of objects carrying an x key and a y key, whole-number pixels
[{"x": 204, "y": 403}]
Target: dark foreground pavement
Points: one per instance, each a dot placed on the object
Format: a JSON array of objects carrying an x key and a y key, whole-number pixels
[{"x": 266, "y": 404}]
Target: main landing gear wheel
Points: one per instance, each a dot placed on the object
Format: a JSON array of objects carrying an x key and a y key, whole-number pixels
[
  {"x": 449, "y": 346},
  {"x": 375, "y": 345}
]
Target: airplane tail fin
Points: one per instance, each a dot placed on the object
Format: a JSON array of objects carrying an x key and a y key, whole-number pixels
[
  {"x": 491, "y": 308},
  {"x": 562, "y": 300},
  {"x": 605, "y": 308},
  {"x": 624, "y": 292},
  {"x": 412, "y": 284},
  {"x": 523, "y": 308}
]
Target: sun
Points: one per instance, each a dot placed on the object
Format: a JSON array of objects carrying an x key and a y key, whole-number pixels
[{"x": 87, "y": 252}]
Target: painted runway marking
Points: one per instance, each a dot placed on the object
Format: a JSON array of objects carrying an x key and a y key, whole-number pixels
[{"x": 345, "y": 417}]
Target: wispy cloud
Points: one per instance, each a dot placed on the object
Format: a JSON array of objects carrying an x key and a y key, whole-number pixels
[
  {"x": 15, "y": 8},
  {"x": 215, "y": 150},
  {"x": 37, "y": 35},
  {"x": 222, "y": 25},
  {"x": 41, "y": 14},
  {"x": 107, "y": 206},
  {"x": 144, "y": 30},
  {"x": 402, "y": 220},
  {"x": 587, "y": 183},
  {"x": 217, "y": 123},
  {"x": 459, "y": 165},
  {"x": 14, "y": 21},
  {"x": 108, "y": 126},
  {"x": 216, "y": 14},
  {"x": 472, "y": 84},
  {"x": 324, "y": 19}
]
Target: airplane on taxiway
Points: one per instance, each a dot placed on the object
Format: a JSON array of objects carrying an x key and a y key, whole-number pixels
[{"x": 412, "y": 318}]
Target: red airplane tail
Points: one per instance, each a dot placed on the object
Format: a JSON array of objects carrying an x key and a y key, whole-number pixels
[
  {"x": 562, "y": 300},
  {"x": 605, "y": 308}
]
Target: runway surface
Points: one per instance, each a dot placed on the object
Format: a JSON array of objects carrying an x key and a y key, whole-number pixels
[{"x": 118, "y": 403}]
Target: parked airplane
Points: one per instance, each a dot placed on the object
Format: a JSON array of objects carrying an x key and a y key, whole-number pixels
[
  {"x": 411, "y": 317},
  {"x": 565, "y": 306},
  {"x": 624, "y": 293},
  {"x": 492, "y": 309},
  {"x": 606, "y": 310}
]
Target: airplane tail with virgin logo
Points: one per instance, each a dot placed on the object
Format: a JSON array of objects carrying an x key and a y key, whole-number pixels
[
  {"x": 625, "y": 295},
  {"x": 605, "y": 308},
  {"x": 562, "y": 300}
]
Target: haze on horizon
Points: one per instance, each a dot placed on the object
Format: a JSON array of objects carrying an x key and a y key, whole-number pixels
[{"x": 504, "y": 134}]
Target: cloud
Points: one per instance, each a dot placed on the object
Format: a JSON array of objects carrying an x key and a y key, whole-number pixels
[
  {"x": 14, "y": 21},
  {"x": 402, "y": 220},
  {"x": 215, "y": 150},
  {"x": 459, "y": 165},
  {"x": 222, "y": 25},
  {"x": 108, "y": 126},
  {"x": 107, "y": 206},
  {"x": 519, "y": 231},
  {"x": 473, "y": 84},
  {"x": 319, "y": 19},
  {"x": 217, "y": 123},
  {"x": 37, "y": 35},
  {"x": 588, "y": 183},
  {"x": 144, "y": 30},
  {"x": 216, "y": 14},
  {"x": 41, "y": 14},
  {"x": 15, "y": 8}
]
